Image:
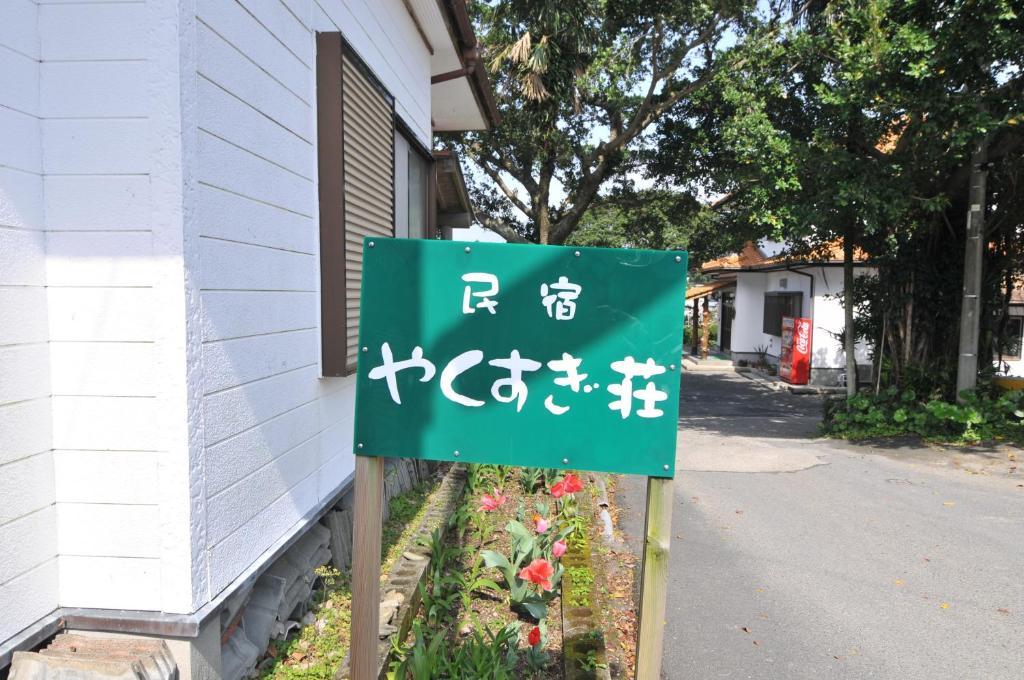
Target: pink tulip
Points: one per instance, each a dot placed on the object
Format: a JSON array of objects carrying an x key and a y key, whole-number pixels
[
  {"x": 540, "y": 524},
  {"x": 491, "y": 503},
  {"x": 558, "y": 548}
]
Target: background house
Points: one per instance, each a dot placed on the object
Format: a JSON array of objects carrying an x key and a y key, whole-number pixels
[
  {"x": 1010, "y": 361},
  {"x": 184, "y": 187},
  {"x": 762, "y": 283}
]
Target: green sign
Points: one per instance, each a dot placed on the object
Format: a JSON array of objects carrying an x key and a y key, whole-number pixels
[{"x": 540, "y": 356}]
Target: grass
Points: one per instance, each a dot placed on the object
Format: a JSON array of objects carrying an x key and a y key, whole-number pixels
[
  {"x": 582, "y": 579},
  {"x": 319, "y": 648}
]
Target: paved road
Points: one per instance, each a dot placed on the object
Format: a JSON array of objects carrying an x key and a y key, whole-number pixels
[{"x": 795, "y": 557}]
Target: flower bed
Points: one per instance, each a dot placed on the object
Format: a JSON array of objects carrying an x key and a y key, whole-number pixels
[{"x": 492, "y": 599}]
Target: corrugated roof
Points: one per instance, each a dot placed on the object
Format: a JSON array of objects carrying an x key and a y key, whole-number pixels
[
  {"x": 707, "y": 288},
  {"x": 752, "y": 259}
]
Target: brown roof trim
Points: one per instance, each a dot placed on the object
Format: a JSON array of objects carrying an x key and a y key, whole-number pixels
[
  {"x": 457, "y": 179},
  {"x": 461, "y": 26}
]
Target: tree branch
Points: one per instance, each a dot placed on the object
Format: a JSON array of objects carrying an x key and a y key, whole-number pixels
[
  {"x": 505, "y": 188},
  {"x": 506, "y": 231}
]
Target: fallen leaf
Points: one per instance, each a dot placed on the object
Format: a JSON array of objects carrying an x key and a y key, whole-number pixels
[
  {"x": 739, "y": 512},
  {"x": 1003, "y": 610},
  {"x": 898, "y": 581},
  {"x": 944, "y": 605},
  {"x": 745, "y": 629},
  {"x": 759, "y": 590},
  {"x": 948, "y": 504},
  {"x": 756, "y": 642}
]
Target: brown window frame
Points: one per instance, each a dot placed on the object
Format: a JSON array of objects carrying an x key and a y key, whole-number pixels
[{"x": 331, "y": 50}]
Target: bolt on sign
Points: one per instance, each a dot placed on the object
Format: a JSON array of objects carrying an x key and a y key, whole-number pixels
[{"x": 541, "y": 356}]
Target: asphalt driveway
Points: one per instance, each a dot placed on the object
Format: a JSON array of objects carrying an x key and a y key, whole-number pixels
[{"x": 798, "y": 557}]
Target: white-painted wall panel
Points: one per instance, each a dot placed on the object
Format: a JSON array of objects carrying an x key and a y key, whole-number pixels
[
  {"x": 128, "y": 477},
  {"x": 232, "y": 411},
  {"x": 28, "y": 547},
  {"x": 249, "y": 542},
  {"x": 103, "y": 423},
  {"x": 17, "y": 30},
  {"x": 229, "y": 68},
  {"x": 96, "y": 147},
  {"x": 285, "y": 27},
  {"x": 22, "y": 315},
  {"x": 95, "y": 31},
  {"x": 243, "y": 454},
  {"x": 108, "y": 530},
  {"x": 236, "y": 314},
  {"x": 28, "y": 542},
  {"x": 24, "y": 373},
  {"x": 93, "y": 89},
  {"x": 229, "y": 167},
  {"x": 109, "y": 582},
  {"x": 235, "y": 505},
  {"x": 28, "y": 598},
  {"x": 231, "y": 363},
  {"x": 232, "y": 22},
  {"x": 228, "y": 117},
  {"x": 110, "y": 259},
  {"x": 109, "y": 314},
  {"x": 26, "y": 430},
  {"x": 103, "y": 369},
  {"x": 22, "y": 257},
  {"x": 113, "y": 202},
  {"x": 19, "y": 82},
  {"x": 239, "y": 266},
  {"x": 21, "y": 199},
  {"x": 26, "y": 485},
  {"x": 19, "y": 137},
  {"x": 235, "y": 218}
]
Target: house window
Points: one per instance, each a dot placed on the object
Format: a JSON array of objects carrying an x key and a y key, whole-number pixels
[
  {"x": 355, "y": 154},
  {"x": 412, "y": 178},
  {"x": 778, "y": 305},
  {"x": 1012, "y": 340}
]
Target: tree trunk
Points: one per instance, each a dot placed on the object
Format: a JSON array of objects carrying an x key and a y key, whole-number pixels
[
  {"x": 970, "y": 308},
  {"x": 705, "y": 333},
  {"x": 849, "y": 340},
  {"x": 696, "y": 328}
]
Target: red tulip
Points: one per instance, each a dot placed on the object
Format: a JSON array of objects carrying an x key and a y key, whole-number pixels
[
  {"x": 534, "y": 637},
  {"x": 558, "y": 548},
  {"x": 572, "y": 483},
  {"x": 538, "y": 572},
  {"x": 558, "y": 489},
  {"x": 491, "y": 503}
]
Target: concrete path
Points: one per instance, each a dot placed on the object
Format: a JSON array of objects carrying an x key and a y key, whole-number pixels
[{"x": 796, "y": 557}]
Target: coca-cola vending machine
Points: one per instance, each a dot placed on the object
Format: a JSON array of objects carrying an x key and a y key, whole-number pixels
[{"x": 795, "y": 357}]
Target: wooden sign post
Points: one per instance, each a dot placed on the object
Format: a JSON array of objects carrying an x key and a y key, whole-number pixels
[{"x": 537, "y": 356}]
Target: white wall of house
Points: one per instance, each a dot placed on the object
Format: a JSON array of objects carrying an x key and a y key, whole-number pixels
[
  {"x": 28, "y": 517},
  {"x": 827, "y": 350},
  {"x": 163, "y": 422},
  {"x": 1014, "y": 367},
  {"x": 277, "y": 438}
]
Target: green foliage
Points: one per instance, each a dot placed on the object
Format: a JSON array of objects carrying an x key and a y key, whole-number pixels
[
  {"x": 983, "y": 416},
  {"x": 526, "y": 547},
  {"x": 582, "y": 580},
  {"x": 485, "y": 655}
]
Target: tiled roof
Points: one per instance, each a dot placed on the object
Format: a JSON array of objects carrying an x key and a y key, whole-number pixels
[
  {"x": 749, "y": 256},
  {"x": 752, "y": 259}
]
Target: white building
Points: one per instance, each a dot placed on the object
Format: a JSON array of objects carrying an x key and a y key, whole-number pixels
[
  {"x": 184, "y": 185},
  {"x": 761, "y": 284},
  {"x": 1009, "y": 361}
]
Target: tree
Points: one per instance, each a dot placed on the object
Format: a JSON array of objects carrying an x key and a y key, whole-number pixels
[
  {"x": 858, "y": 122},
  {"x": 579, "y": 83}
]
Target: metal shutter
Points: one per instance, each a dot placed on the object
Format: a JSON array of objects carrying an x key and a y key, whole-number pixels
[{"x": 369, "y": 201}]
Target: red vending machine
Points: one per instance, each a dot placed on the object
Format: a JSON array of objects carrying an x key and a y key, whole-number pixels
[{"x": 795, "y": 357}]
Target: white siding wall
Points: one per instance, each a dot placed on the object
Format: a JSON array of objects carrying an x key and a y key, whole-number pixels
[
  {"x": 277, "y": 438},
  {"x": 28, "y": 536},
  {"x": 96, "y": 160},
  {"x": 827, "y": 313}
]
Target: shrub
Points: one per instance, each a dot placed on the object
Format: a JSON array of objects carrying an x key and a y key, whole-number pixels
[{"x": 983, "y": 415}]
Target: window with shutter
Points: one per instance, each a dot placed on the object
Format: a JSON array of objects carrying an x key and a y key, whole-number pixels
[{"x": 355, "y": 118}]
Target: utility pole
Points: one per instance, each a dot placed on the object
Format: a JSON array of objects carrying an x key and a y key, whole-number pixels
[{"x": 970, "y": 310}]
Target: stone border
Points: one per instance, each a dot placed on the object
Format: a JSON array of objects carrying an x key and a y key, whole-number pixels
[
  {"x": 400, "y": 596},
  {"x": 582, "y": 632}
]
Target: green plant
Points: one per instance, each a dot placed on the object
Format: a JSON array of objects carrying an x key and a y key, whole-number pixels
[
  {"x": 762, "y": 356},
  {"x": 485, "y": 655},
  {"x": 474, "y": 581},
  {"x": 982, "y": 415},
  {"x": 590, "y": 662},
  {"x": 582, "y": 580},
  {"x": 526, "y": 547}
]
